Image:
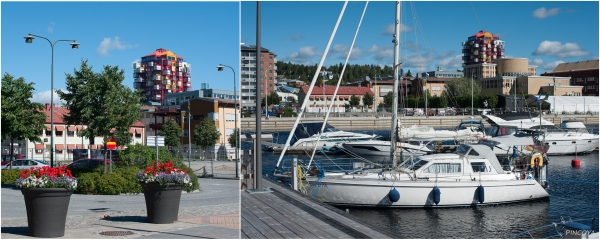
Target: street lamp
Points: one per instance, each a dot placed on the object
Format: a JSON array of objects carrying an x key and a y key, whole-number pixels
[
  {"x": 74, "y": 45},
  {"x": 236, "y": 133},
  {"x": 189, "y": 135}
]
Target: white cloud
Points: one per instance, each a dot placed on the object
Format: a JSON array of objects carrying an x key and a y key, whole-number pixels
[
  {"x": 453, "y": 62},
  {"x": 555, "y": 48},
  {"x": 419, "y": 63},
  {"x": 109, "y": 44},
  {"x": 391, "y": 29},
  {"x": 304, "y": 55},
  {"x": 542, "y": 13},
  {"x": 44, "y": 97},
  {"x": 51, "y": 27},
  {"x": 551, "y": 65},
  {"x": 382, "y": 54},
  {"x": 537, "y": 62}
]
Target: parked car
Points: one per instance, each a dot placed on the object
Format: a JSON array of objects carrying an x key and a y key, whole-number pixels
[
  {"x": 88, "y": 162},
  {"x": 6, "y": 158},
  {"x": 26, "y": 164}
]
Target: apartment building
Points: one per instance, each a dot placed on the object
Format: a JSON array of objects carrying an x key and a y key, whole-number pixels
[
  {"x": 251, "y": 81},
  {"x": 161, "y": 72},
  {"x": 582, "y": 73}
]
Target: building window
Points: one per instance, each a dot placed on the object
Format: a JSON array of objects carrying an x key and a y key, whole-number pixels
[
  {"x": 48, "y": 133},
  {"x": 185, "y": 133},
  {"x": 138, "y": 135},
  {"x": 59, "y": 151},
  {"x": 70, "y": 133},
  {"x": 39, "y": 151}
]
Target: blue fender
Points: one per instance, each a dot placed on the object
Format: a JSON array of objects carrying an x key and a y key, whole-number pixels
[
  {"x": 436, "y": 195},
  {"x": 394, "y": 195},
  {"x": 480, "y": 194}
]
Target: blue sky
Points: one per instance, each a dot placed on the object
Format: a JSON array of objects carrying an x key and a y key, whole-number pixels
[
  {"x": 545, "y": 32},
  {"x": 206, "y": 34}
]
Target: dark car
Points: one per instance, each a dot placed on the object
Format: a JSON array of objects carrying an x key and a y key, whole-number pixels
[
  {"x": 88, "y": 162},
  {"x": 6, "y": 158}
]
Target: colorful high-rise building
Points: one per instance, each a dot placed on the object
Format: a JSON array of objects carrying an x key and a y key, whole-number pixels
[
  {"x": 482, "y": 47},
  {"x": 161, "y": 72}
]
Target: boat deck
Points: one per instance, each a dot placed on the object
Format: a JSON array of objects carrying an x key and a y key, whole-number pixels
[{"x": 284, "y": 213}]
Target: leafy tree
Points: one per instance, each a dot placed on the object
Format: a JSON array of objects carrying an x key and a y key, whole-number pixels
[
  {"x": 368, "y": 99},
  {"x": 234, "y": 137},
  {"x": 408, "y": 74},
  {"x": 172, "y": 133},
  {"x": 388, "y": 99},
  {"x": 206, "y": 134},
  {"x": 460, "y": 89},
  {"x": 354, "y": 101},
  {"x": 99, "y": 100},
  {"x": 21, "y": 118},
  {"x": 122, "y": 136}
]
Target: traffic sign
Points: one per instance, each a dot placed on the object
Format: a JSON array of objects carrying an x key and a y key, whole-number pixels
[
  {"x": 111, "y": 144},
  {"x": 152, "y": 140}
]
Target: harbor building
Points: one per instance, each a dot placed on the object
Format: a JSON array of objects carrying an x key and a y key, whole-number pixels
[
  {"x": 161, "y": 72},
  {"x": 249, "y": 75},
  {"x": 321, "y": 97},
  {"x": 582, "y": 73}
]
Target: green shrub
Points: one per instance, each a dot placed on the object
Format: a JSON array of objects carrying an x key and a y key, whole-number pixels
[
  {"x": 86, "y": 182},
  {"x": 10, "y": 176},
  {"x": 110, "y": 184},
  {"x": 128, "y": 173}
]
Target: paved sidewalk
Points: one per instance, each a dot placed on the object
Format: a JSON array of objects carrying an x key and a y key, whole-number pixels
[
  {"x": 217, "y": 226},
  {"x": 212, "y": 212}
]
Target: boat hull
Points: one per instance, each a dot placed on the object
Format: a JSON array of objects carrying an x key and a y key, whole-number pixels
[
  {"x": 562, "y": 146},
  {"x": 420, "y": 194},
  {"x": 381, "y": 148}
]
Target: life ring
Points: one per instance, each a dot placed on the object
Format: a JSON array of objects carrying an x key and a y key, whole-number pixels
[{"x": 536, "y": 159}]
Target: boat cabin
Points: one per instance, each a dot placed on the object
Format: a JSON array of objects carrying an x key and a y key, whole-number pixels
[{"x": 467, "y": 160}]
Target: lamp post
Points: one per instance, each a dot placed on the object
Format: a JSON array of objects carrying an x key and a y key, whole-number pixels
[
  {"x": 189, "y": 135},
  {"x": 74, "y": 45},
  {"x": 236, "y": 133}
]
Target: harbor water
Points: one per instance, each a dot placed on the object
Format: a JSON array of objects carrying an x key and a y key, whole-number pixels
[{"x": 573, "y": 195}]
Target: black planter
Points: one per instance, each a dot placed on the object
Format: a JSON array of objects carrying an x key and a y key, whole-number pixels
[
  {"x": 162, "y": 202},
  {"x": 46, "y": 211}
]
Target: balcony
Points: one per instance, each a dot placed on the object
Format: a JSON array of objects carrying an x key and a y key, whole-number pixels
[
  {"x": 167, "y": 72},
  {"x": 157, "y": 68},
  {"x": 138, "y": 70},
  {"x": 137, "y": 80},
  {"x": 157, "y": 78},
  {"x": 150, "y": 64},
  {"x": 168, "y": 82}
]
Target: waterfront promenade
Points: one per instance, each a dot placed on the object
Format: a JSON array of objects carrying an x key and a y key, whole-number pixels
[
  {"x": 212, "y": 212},
  {"x": 381, "y": 121}
]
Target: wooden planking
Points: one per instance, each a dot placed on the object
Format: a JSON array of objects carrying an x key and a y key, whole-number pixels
[
  {"x": 261, "y": 212},
  {"x": 301, "y": 217},
  {"x": 285, "y": 213},
  {"x": 249, "y": 230},
  {"x": 261, "y": 226}
]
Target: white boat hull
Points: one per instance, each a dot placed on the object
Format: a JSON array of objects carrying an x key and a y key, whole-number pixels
[
  {"x": 565, "y": 145},
  {"x": 419, "y": 194},
  {"x": 382, "y": 148}
]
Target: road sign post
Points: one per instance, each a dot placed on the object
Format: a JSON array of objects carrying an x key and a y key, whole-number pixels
[
  {"x": 155, "y": 141},
  {"x": 111, "y": 145}
]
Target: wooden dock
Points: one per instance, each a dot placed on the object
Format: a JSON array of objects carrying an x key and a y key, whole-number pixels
[{"x": 284, "y": 213}]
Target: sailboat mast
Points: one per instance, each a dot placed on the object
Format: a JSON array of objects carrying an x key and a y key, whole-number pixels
[{"x": 396, "y": 68}]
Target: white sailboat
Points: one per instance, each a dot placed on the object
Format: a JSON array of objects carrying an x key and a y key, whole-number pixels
[{"x": 471, "y": 176}]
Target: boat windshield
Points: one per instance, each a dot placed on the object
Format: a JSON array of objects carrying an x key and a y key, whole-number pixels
[
  {"x": 414, "y": 164},
  {"x": 462, "y": 149}
]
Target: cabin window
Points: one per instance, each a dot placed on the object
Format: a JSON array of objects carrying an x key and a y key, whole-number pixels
[
  {"x": 478, "y": 166},
  {"x": 443, "y": 168}
]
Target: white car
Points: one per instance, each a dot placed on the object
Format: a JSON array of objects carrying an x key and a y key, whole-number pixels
[{"x": 26, "y": 164}]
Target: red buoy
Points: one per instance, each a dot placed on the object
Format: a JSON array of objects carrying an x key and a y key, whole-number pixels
[{"x": 575, "y": 162}]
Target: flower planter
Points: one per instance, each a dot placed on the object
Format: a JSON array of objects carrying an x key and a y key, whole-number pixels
[
  {"x": 162, "y": 202},
  {"x": 46, "y": 211}
]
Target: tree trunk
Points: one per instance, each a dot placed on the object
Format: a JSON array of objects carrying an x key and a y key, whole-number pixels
[{"x": 11, "y": 152}]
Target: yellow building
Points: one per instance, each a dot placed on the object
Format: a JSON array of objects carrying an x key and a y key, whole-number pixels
[{"x": 221, "y": 112}]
